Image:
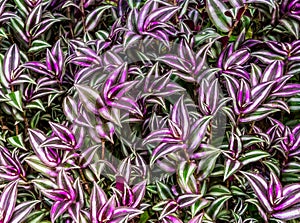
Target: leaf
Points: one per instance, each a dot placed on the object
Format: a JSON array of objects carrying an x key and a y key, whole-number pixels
[
  {"x": 42, "y": 27},
  {"x": 216, "y": 10},
  {"x": 199, "y": 205},
  {"x": 253, "y": 156},
  {"x": 17, "y": 25},
  {"x": 187, "y": 200},
  {"x": 197, "y": 219},
  {"x": 274, "y": 188},
  {"x": 15, "y": 100},
  {"x": 8, "y": 200},
  {"x": 37, "y": 216},
  {"x": 216, "y": 206},
  {"x": 170, "y": 208},
  {"x": 35, "y": 163},
  {"x": 22, "y": 211},
  {"x": 58, "y": 208},
  {"x": 198, "y": 131},
  {"x": 164, "y": 191},
  {"x": 258, "y": 114},
  {"x": 260, "y": 188},
  {"x": 291, "y": 25},
  {"x": 273, "y": 71},
  {"x": 218, "y": 191},
  {"x": 36, "y": 104},
  {"x": 63, "y": 133},
  {"x": 38, "y": 45},
  {"x": 185, "y": 176},
  {"x": 11, "y": 62},
  {"x": 33, "y": 19},
  {"x": 165, "y": 149},
  {"x": 87, "y": 156},
  {"x": 208, "y": 158},
  {"x": 93, "y": 18},
  {"x": 17, "y": 141},
  {"x": 89, "y": 97},
  {"x": 231, "y": 166},
  {"x": 43, "y": 184},
  {"x": 289, "y": 214},
  {"x": 97, "y": 200}
]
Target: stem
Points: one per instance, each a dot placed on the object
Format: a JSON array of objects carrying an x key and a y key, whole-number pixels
[
  {"x": 103, "y": 149},
  {"x": 82, "y": 15},
  {"x": 23, "y": 178},
  {"x": 176, "y": 15},
  {"x": 236, "y": 23},
  {"x": 70, "y": 23},
  {"x": 26, "y": 123},
  {"x": 252, "y": 125},
  {"x": 85, "y": 183},
  {"x": 17, "y": 127}
]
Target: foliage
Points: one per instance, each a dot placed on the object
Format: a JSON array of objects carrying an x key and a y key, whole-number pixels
[{"x": 149, "y": 111}]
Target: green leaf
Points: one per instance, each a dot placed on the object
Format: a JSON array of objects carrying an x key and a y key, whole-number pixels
[
  {"x": 250, "y": 140},
  {"x": 216, "y": 11},
  {"x": 186, "y": 179},
  {"x": 258, "y": 115},
  {"x": 17, "y": 141},
  {"x": 38, "y": 46},
  {"x": 36, "y": 104},
  {"x": 44, "y": 184},
  {"x": 231, "y": 166},
  {"x": 199, "y": 205},
  {"x": 37, "y": 216},
  {"x": 15, "y": 100},
  {"x": 291, "y": 25},
  {"x": 35, "y": 120},
  {"x": 35, "y": 163},
  {"x": 217, "y": 206},
  {"x": 272, "y": 166},
  {"x": 164, "y": 191},
  {"x": 207, "y": 162},
  {"x": 219, "y": 190},
  {"x": 253, "y": 156},
  {"x": 3, "y": 33}
]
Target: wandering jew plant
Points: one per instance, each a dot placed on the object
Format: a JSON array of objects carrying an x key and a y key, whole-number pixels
[{"x": 168, "y": 111}]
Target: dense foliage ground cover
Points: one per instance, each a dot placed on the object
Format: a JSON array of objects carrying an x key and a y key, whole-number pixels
[{"x": 149, "y": 111}]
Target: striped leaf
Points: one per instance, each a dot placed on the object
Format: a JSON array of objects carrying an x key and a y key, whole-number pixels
[
  {"x": 38, "y": 45},
  {"x": 216, "y": 10},
  {"x": 17, "y": 141},
  {"x": 93, "y": 18},
  {"x": 15, "y": 100},
  {"x": 11, "y": 62},
  {"x": 253, "y": 156}
]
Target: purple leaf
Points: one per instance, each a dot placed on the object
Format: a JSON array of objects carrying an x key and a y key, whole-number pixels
[
  {"x": 187, "y": 200},
  {"x": 11, "y": 62},
  {"x": 107, "y": 210},
  {"x": 289, "y": 214},
  {"x": 63, "y": 133},
  {"x": 22, "y": 211},
  {"x": 260, "y": 187},
  {"x": 139, "y": 191},
  {"x": 274, "y": 188},
  {"x": 33, "y": 19},
  {"x": 58, "y": 209},
  {"x": 98, "y": 200},
  {"x": 8, "y": 200},
  {"x": 273, "y": 71}
]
